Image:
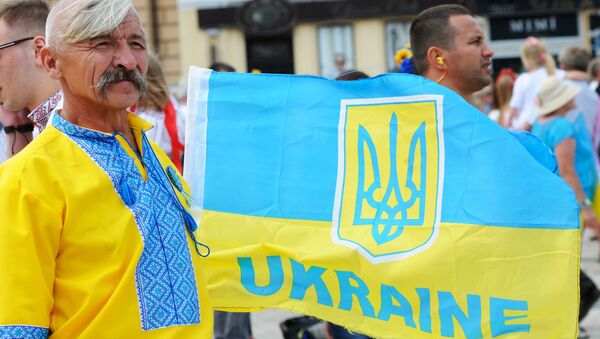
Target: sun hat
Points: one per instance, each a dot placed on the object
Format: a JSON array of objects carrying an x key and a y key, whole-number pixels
[{"x": 554, "y": 93}]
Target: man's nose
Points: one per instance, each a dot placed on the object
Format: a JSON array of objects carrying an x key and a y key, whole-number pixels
[
  {"x": 488, "y": 51},
  {"x": 124, "y": 57}
]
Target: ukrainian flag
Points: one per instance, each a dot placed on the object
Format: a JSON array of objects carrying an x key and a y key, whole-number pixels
[{"x": 387, "y": 205}]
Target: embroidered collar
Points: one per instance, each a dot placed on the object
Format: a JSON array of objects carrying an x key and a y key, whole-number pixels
[
  {"x": 71, "y": 129},
  {"x": 41, "y": 114}
]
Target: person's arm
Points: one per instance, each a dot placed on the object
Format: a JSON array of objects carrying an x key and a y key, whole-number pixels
[
  {"x": 577, "y": 76},
  {"x": 516, "y": 103},
  {"x": 565, "y": 156},
  {"x": 513, "y": 114},
  {"x": 18, "y": 129},
  {"x": 29, "y": 242}
]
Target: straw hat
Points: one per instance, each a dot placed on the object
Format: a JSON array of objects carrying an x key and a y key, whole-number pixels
[{"x": 554, "y": 93}]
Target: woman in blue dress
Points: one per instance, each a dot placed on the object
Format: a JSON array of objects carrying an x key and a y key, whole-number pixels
[{"x": 572, "y": 146}]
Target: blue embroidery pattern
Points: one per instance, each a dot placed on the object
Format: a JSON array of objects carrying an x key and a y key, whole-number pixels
[
  {"x": 165, "y": 278},
  {"x": 25, "y": 332},
  {"x": 391, "y": 217}
]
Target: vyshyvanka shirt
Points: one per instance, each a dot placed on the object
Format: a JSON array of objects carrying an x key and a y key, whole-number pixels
[
  {"x": 95, "y": 240},
  {"x": 41, "y": 114}
]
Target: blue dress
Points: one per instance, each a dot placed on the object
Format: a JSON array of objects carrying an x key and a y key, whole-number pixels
[{"x": 556, "y": 130}]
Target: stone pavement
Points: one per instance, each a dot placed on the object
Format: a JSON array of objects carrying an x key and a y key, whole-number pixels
[{"x": 265, "y": 324}]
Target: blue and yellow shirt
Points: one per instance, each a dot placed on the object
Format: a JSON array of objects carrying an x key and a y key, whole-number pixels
[{"x": 94, "y": 241}]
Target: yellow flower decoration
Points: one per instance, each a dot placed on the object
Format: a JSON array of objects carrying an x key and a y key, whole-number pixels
[{"x": 402, "y": 55}]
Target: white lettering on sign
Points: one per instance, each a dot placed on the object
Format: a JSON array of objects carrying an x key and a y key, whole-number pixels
[{"x": 533, "y": 25}]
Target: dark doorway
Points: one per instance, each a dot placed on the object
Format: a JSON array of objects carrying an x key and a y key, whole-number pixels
[
  {"x": 270, "y": 54},
  {"x": 513, "y": 63}
]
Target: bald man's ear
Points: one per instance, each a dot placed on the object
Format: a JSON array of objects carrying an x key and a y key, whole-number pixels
[
  {"x": 49, "y": 62},
  {"x": 436, "y": 58}
]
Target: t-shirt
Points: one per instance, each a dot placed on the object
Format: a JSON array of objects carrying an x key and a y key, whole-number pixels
[
  {"x": 558, "y": 129},
  {"x": 94, "y": 241}
]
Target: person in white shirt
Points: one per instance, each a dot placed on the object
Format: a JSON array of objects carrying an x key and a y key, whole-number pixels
[
  {"x": 539, "y": 65},
  {"x": 160, "y": 109},
  {"x": 28, "y": 93}
]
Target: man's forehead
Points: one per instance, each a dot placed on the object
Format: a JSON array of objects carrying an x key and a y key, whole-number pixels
[
  {"x": 130, "y": 27},
  {"x": 463, "y": 24}
]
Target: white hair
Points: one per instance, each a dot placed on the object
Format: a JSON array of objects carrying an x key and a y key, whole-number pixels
[{"x": 72, "y": 21}]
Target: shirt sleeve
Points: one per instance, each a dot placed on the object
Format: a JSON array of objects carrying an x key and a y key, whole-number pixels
[
  {"x": 560, "y": 130},
  {"x": 29, "y": 241}
]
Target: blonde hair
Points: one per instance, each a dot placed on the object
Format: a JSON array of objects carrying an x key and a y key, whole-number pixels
[
  {"x": 72, "y": 21},
  {"x": 157, "y": 95},
  {"x": 534, "y": 55}
]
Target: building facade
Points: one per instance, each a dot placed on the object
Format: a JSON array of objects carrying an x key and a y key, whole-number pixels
[{"x": 308, "y": 37}]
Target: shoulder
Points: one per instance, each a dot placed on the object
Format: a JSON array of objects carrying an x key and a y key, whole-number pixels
[
  {"x": 556, "y": 124},
  {"x": 37, "y": 168},
  {"x": 561, "y": 123},
  {"x": 558, "y": 130},
  {"x": 37, "y": 150},
  {"x": 523, "y": 79}
]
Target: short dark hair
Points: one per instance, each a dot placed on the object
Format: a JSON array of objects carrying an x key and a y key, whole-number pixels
[
  {"x": 221, "y": 67},
  {"x": 574, "y": 58},
  {"x": 432, "y": 28},
  {"x": 26, "y": 15},
  {"x": 352, "y": 75}
]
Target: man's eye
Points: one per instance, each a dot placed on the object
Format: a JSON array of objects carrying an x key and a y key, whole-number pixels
[
  {"x": 102, "y": 44},
  {"x": 138, "y": 45}
]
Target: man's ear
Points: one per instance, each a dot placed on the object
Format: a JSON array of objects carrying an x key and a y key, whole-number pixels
[
  {"x": 436, "y": 58},
  {"x": 39, "y": 42},
  {"x": 49, "y": 62}
]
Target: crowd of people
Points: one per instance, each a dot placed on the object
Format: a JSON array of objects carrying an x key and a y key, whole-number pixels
[{"x": 74, "y": 82}]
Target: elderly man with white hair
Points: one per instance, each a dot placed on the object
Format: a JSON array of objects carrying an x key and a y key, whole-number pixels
[{"x": 96, "y": 238}]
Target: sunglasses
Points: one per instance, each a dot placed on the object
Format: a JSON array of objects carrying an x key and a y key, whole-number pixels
[{"x": 15, "y": 42}]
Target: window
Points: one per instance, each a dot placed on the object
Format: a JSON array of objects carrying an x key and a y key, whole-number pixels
[
  {"x": 397, "y": 36},
  {"x": 336, "y": 50}
]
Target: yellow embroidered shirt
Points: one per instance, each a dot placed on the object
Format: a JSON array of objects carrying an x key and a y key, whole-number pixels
[{"x": 94, "y": 241}]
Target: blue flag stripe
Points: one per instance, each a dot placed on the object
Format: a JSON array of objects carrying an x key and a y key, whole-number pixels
[{"x": 282, "y": 130}]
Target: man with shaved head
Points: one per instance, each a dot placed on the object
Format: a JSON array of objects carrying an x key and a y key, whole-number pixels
[
  {"x": 450, "y": 48},
  {"x": 27, "y": 93},
  {"x": 96, "y": 238}
]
